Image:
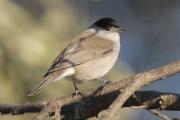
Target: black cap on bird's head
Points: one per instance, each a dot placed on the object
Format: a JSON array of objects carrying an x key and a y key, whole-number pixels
[{"x": 109, "y": 24}]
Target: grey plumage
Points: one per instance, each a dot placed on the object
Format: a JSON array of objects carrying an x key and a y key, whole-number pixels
[{"x": 89, "y": 56}]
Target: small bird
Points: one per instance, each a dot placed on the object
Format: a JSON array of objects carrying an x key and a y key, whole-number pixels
[{"x": 89, "y": 56}]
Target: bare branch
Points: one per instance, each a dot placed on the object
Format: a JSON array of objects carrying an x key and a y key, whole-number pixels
[
  {"x": 147, "y": 99},
  {"x": 21, "y": 109},
  {"x": 137, "y": 82},
  {"x": 78, "y": 107}
]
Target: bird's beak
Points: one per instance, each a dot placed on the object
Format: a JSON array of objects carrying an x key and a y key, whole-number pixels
[{"x": 122, "y": 30}]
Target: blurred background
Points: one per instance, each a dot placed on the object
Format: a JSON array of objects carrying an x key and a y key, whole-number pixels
[{"x": 33, "y": 32}]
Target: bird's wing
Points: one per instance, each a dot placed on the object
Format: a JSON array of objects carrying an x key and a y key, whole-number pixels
[{"x": 81, "y": 50}]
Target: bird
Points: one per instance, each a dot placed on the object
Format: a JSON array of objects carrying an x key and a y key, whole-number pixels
[{"x": 90, "y": 55}]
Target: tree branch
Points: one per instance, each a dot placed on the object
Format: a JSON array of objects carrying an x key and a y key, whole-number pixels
[
  {"x": 21, "y": 109},
  {"x": 78, "y": 107},
  {"x": 147, "y": 99},
  {"x": 138, "y": 81}
]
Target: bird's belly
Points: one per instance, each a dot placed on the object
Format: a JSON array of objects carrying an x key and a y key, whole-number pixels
[{"x": 97, "y": 68}]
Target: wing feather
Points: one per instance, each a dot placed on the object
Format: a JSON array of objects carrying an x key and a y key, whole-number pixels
[{"x": 81, "y": 50}]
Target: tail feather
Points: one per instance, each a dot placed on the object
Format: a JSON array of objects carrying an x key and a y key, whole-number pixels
[
  {"x": 53, "y": 77},
  {"x": 36, "y": 90}
]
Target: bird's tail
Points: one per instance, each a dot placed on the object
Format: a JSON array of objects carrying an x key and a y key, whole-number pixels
[
  {"x": 53, "y": 77},
  {"x": 36, "y": 90}
]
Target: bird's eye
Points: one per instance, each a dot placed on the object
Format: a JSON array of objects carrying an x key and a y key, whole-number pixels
[{"x": 107, "y": 28}]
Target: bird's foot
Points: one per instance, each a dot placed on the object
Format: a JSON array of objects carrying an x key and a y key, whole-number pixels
[
  {"x": 77, "y": 92},
  {"x": 107, "y": 82},
  {"x": 99, "y": 89}
]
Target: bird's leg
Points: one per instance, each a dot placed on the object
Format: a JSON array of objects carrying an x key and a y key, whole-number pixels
[
  {"x": 77, "y": 91},
  {"x": 105, "y": 81},
  {"x": 76, "y": 88}
]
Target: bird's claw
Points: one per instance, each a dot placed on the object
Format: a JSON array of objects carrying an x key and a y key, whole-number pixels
[
  {"x": 77, "y": 92},
  {"x": 107, "y": 82}
]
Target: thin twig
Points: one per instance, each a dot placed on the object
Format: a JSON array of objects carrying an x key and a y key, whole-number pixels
[
  {"x": 159, "y": 114},
  {"x": 21, "y": 108}
]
